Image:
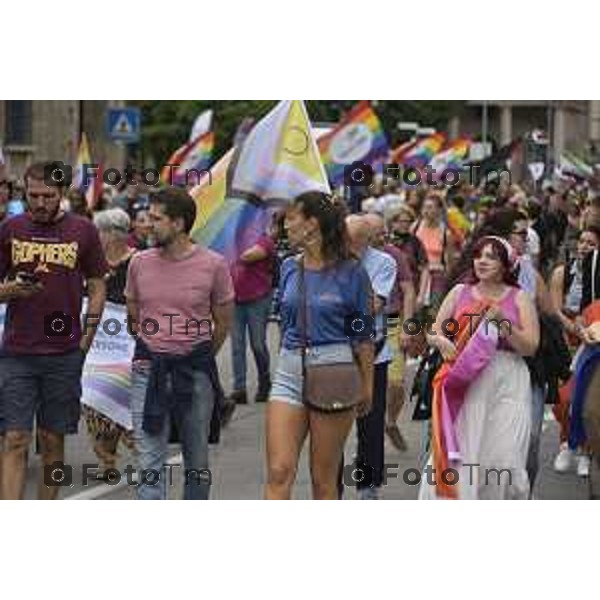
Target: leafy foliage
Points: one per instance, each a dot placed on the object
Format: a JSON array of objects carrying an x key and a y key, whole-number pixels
[{"x": 166, "y": 123}]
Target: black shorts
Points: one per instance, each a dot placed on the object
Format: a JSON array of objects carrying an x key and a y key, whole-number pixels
[{"x": 47, "y": 387}]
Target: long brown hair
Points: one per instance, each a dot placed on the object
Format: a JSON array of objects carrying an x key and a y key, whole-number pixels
[{"x": 331, "y": 215}]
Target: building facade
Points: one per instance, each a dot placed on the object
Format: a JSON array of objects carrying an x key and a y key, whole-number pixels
[
  {"x": 47, "y": 130},
  {"x": 571, "y": 124}
]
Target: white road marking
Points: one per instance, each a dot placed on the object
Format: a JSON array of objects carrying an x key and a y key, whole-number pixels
[{"x": 103, "y": 489}]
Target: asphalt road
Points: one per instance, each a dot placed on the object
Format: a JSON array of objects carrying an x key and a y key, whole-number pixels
[{"x": 237, "y": 463}]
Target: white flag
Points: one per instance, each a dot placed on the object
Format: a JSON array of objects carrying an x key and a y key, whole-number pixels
[
  {"x": 279, "y": 158},
  {"x": 202, "y": 124},
  {"x": 537, "y": 170}
]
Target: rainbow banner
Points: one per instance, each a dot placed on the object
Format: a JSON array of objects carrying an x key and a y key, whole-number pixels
[
  {"x": 188, "y": 163},
  {"x": 422, "y": 151},
  {"x": 106, "y": 379},
  {"x": 358, "y": 137}
]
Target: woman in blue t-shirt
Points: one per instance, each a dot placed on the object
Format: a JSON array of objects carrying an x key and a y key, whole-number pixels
[{"x": 336, "y": 286}]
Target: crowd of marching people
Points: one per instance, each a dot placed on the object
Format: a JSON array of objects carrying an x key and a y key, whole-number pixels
[{"x": 513, "y": 270}]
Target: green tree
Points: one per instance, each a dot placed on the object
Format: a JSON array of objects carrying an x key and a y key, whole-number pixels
[{"x": 166, "y": 123}]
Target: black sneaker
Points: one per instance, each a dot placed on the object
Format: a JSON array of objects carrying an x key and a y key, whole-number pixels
[
  {"x": 227, "y": 412},
  {"x": 262, "y": 395},
  {"x": 239, "y": 397}
]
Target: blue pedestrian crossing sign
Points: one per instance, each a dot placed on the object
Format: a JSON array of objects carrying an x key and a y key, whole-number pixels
[{"x": 124, "y": 124}]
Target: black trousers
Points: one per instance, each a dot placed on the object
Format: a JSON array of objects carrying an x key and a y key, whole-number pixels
[
  {"x": 371, "y": 436},
  {"x": 371, "y": 432}
]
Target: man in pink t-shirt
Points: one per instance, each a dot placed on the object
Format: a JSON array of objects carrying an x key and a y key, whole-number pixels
[
  {"x": 253, "y": 282},
  {"x": 180, "y": 303}
]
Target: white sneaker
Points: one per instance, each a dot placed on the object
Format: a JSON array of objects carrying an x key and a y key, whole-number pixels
[
  {"x": 583, "y": 465},
  {"x": 564, "y": 460}
]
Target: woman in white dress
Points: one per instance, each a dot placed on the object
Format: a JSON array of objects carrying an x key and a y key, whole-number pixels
[{"x": 482, "y": 393}]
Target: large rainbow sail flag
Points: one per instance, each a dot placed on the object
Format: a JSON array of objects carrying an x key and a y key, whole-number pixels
[
  {"x": 225, "y": 224},
  {"x": 419, "y": 154},
  {"x": 359, "y": 136},
  {"x": 188, "y": 163},
  {"x": 277, "y": 161}
]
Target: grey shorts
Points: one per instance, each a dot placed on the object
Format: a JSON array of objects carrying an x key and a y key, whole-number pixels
[
  {"x": 287, "y": 382},
  {"x": 45, "y": 387}
]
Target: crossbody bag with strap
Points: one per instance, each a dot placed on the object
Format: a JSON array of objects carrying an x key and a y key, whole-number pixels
[{"x": 329, "y": 388}]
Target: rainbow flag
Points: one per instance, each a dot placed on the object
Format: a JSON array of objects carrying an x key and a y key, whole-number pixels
[
  {"x": 210, "y": 192},
  {"x": 195, "y": 155},
  {"x": 359, "y": 136},
  {"x": 422, "y": 151},
  {"x": 277, "y": 161},
  {"x": 234, "y": 227},
  {"x": 93, "y": 189},
  {"x": 226, "y": 224},
  {"x": 202, "y": 124},
  {"x": 453, "y": 156},
  {"x": 399, "y": 151},
  {"x": 279, "y": 158},
  {"x": 83, "y": 158}
]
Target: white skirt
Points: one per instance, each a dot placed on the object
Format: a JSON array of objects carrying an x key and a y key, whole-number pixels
[{"x": 493, "y": 429}]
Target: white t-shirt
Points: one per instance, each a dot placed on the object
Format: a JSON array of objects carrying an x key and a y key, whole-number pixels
[
  {"x": 533, "y": 244},
  {"x": 381, "y": 268}
]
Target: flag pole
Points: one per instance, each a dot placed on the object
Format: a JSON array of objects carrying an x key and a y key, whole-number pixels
[{"x": 484, "y": 122}]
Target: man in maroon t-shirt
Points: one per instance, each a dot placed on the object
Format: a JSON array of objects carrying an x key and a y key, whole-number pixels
[{"x": 46, "y": 257}]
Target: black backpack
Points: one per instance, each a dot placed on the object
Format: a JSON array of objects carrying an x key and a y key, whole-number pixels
[
  {"x": 591, "y": 279},
  {"x": 551, "y": 364}
]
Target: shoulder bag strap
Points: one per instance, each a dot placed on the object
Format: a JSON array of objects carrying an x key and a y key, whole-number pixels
[
  {"x": 444, "y": 244},
  {"x": 594, "y": 268},
  {"x": 303, "y": 316}
]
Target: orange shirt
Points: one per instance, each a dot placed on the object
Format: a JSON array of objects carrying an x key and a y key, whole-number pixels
[{"x": 432, "y": 239}]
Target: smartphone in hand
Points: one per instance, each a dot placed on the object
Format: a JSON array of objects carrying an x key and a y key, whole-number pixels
[{"x": 25, "y": 277}]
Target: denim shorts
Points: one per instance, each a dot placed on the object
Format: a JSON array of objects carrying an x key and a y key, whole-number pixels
[
  {"x": 44, "y": 387},
  {"x": 287, "y": 382}
]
